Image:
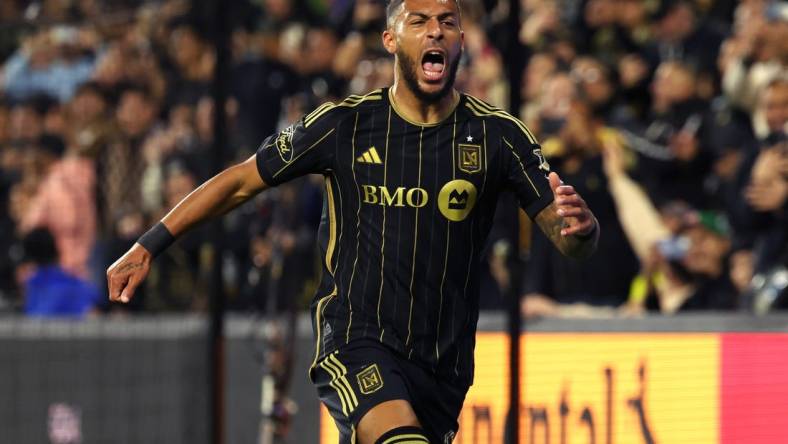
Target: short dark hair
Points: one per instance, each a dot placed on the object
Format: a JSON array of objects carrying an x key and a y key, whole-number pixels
[
  {"x": 39, "y": 247},
  {"x": 666, "y": 7},
  {"x": 391, "y": 10},
  {"x": 91, "y": 87},
  {"x": 393, "y": 6},
  {"x": 138, "y": 88},
  {"x": 52, "y": 144}
]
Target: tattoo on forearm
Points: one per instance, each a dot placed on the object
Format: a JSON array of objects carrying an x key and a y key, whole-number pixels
[
  {"x": 129, "y": 267},
  {"x": 551, "y": 225}
]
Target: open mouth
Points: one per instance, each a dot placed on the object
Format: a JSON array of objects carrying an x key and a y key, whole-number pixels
[{"x": 433, "y": 63}]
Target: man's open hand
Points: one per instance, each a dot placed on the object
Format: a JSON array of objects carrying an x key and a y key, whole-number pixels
[{"x": 578, "y": 219}]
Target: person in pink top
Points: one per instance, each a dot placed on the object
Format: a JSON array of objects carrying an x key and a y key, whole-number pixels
[{"x": 64, "y": 203}]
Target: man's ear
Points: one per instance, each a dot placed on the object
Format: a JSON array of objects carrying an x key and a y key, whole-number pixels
[{"x": 389, "y": 41}]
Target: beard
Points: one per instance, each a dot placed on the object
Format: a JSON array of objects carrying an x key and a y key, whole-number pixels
[{"x": 408, "y": 68}]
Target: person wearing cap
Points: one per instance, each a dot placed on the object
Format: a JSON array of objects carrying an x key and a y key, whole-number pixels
[{"x": 683, "y": 252}]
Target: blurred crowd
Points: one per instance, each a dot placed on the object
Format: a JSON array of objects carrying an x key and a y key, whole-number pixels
[{"x": 668, "y": 116}]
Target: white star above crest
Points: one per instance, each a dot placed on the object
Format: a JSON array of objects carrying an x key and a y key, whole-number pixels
[{"x": 470, "y": 138}]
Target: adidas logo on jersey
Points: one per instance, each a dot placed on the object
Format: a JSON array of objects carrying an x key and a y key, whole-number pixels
[{"x": 370, "y": 156}]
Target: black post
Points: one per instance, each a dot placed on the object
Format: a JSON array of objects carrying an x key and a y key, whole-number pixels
[
  {"x": 514, "y": 327},
  {"x": 515, "y": 66},
  {"x": 514, "y": 57},
  {"x": 216, "y": 335}
]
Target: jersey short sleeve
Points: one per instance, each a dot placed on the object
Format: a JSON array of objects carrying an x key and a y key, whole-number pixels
[
  {"x": 526, "y": 169},
  {"x": 306, "y": 147}
]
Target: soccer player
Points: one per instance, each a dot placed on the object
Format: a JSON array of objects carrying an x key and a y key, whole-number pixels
[{"x": 412, "y": 174}]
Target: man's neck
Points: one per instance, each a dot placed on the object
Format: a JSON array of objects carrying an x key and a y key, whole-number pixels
[{"x": 410, "y": 107}]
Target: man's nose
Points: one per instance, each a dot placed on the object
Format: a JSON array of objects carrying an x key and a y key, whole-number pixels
[{"x": 434, "y": 29}]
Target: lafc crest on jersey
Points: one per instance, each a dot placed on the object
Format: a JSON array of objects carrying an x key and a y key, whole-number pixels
[{"x": 470, "y": 158}]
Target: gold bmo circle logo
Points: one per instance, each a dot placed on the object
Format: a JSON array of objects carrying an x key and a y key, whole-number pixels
[{"x": 456, "y": 200}]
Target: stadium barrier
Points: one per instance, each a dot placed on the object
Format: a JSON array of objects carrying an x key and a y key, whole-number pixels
[{"x": 700, "y": 379}]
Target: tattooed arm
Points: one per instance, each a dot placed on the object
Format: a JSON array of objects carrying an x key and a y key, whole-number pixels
[{"x": 568, "y": 222}]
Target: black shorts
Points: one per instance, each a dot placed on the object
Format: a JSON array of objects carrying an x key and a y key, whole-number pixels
[{"x": 365, "y": 373}]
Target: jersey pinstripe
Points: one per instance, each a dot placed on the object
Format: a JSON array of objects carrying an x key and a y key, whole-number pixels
[{"x": 406, "y": 212}]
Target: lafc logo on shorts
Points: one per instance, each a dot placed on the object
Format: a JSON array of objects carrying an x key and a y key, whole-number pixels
[
  {"x": 470, "y": 158},
  {"x": 369, "y": 380}
]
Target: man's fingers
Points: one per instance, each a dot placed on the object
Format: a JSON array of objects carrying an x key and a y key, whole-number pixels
[
  {"x": 565, "y": 190},
  {"x": 555, "y": 181},
  {"x": 583, "y": 227},
  {"x": 558, "y": 187},
  {"x": 128, "y": 291},
  {"x": 116, "y": 284},
  {"x": 571, "y": 200},
  {"x": 577, "y": 212}
]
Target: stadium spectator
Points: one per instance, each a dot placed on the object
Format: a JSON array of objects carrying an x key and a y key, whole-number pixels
[
  {"x": 597, "y": 88},
  {"x": 484, "y": 73},
  {"x": 608, "y": 28},
  {"x": 758, "y": 205},
  {"x": 64, "y": 203},
  {"x": 260, "y": 84},
  {"x": 121, "y": 163},
  {"x": 193, "y": 63},
  {"x": 555, "y": 102},
  {"x": 178, "y": 280},
  {"x": 53, "y": 62},
  {"x": 49, "y": 290},
  {"x": 87, "y": 117},
  {"x": 683, "y": 253},
  {"x": 680, "y": 36},
  {"x": 672, "y": 159},
  {"x": 576, "y": 151},
  {"x": 540, "y": 68},
  {"x": 753, "y": 56},
  {"x": 26, "y": 122},
  {"x": 317, "y": 65}
]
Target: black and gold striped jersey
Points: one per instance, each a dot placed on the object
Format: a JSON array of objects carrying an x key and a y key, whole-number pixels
[{"x": 406, "y": 212}]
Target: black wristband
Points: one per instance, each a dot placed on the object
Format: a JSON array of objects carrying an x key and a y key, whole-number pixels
[{"x": 157, "y": 239}]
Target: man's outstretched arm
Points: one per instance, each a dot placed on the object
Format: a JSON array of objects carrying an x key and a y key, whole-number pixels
[
  {"x": 568, "y": 222},
  {"x": 215, "y": 197}
]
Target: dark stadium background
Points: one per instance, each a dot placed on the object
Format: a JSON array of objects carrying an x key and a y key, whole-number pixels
[{"x": 668, "y": 116}]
